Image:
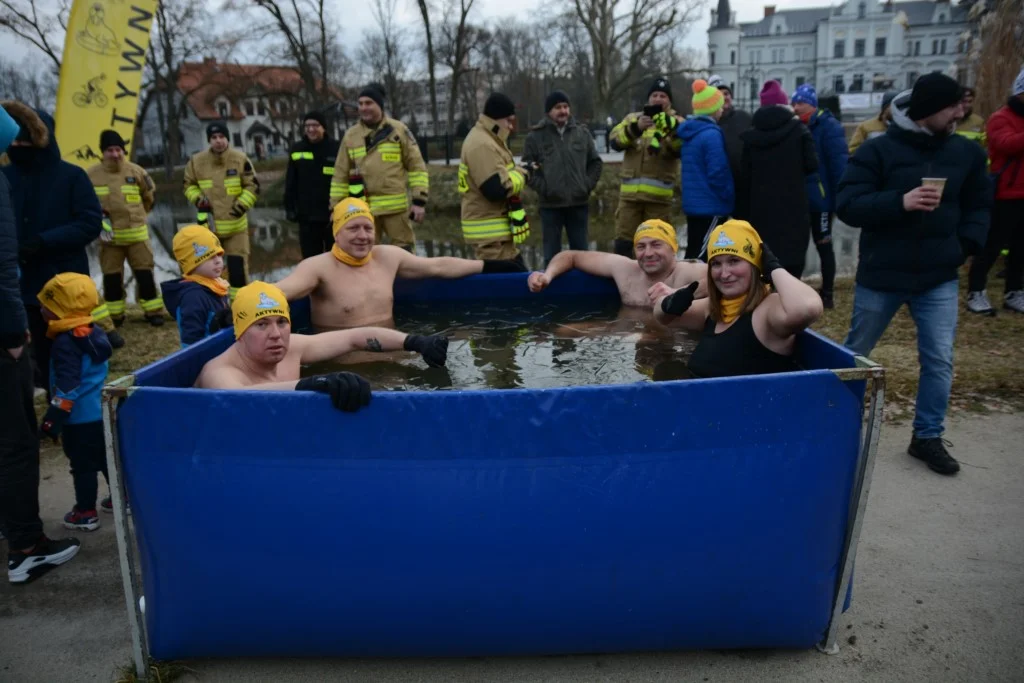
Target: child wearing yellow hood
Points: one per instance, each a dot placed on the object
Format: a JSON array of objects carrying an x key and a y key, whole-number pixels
[{"x": 78, "y": 370}]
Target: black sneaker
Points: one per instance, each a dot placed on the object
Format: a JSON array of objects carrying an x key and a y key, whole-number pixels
[
  {"x": 827, "y": 299},
  {"x": 48, "y": 553},
  {"x": 155, "y": 320},
  {"x": 934, "y": 454},
  {"x": 115, "y": 339}
]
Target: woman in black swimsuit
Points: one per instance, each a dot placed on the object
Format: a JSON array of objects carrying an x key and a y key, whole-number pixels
[{"x": 747, "y": 328}]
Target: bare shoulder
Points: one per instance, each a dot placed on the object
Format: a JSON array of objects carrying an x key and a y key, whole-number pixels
[
  {"x": 686, "y": 272},
  {"x": 220, "y": 373},
  {"x": 391, "y": 255}
]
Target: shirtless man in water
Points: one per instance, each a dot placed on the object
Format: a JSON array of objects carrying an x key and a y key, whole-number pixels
[
  {"x": 353, "y": 284},
  {"x": 655, "y": 272},
  {"x": 267, "y": 356}
]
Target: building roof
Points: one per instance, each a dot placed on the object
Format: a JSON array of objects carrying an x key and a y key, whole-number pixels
[{"x": 919, "y": 12}]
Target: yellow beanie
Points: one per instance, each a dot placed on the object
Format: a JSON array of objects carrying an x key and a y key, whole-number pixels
[
  {"x": 347, "y": 209},
  {"x": 737, "y": 238},
  {"x": 657, "y": 229},
  {"x": 257, "y": 300},
  {"x": 194, "y": 245},
  {"x": 70, "y": 295}
]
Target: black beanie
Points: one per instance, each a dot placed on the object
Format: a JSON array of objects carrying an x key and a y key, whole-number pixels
[
  {"x": 555, "y": 98},
  {"x": 217, "y": 127},
  {"x": 931, "y": 94},
  {"x": 375, "y": 91},
  {"x": 110, "y": 138},
  {"x": 499, "y": 106},
  {"x": 661, "y": 84},
  {"x": 315, "y": 116}
]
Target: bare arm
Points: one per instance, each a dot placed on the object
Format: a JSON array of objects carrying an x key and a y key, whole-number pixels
[
  {"x": 597, "y": 263},
  {"x": 302, "y": 281},
  {"x": 795, "y": 308},
  {"x": 328, "y": 345},
  {"x": 411, "y": 266}
]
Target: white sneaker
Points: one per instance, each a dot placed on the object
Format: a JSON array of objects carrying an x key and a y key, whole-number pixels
[
  {"x": 1014, "y": 301},
  {"x": 977, "y": 302}
]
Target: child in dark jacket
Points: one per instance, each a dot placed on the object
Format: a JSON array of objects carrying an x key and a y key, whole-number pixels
[
  {"x": 78, "y": 369},
  {"x": 199, "y": 300}
]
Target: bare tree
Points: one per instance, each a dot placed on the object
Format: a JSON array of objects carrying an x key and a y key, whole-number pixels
[
  {"x": 39, "y": 23},
  {"x": 386, "y": 53},
  {"x": 459, "y": 39},
  {"x": 28, "y": 83},
  {"x": 997, "y": 51},
  {"x": 431, "y": 65},
  {"x": 622, "y": 32}
]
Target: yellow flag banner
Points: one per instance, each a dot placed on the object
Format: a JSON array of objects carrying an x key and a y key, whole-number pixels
[{"x": 100, "y": 74}]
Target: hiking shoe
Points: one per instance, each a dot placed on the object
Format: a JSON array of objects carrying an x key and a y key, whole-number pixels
[
  {"x": 48, "y": 553},
  {"x": 107, "y": 505},
  {"x": 1014, "y": 301},
  {"x": 827, "y": 300},
  {"x": 155, "y": 320},
  {"x": 934, "y": 454},
  {"x": 977, "y": 302},
  {"x": 115, "y": 339},
  {"x": 81, "y": 520}
]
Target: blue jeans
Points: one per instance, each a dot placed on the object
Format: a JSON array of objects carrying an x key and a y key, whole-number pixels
[
  {"x": 935, "y": 314},
  {"x": 573, "y": 219}
]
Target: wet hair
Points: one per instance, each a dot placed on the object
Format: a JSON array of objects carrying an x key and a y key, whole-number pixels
[{"x": 756, "y": 293}]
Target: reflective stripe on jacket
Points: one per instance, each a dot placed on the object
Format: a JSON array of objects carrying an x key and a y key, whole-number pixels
[
  {"x": 647, "y": 176},
  {"x": 126, "y": 193},
  {"x": 485, "y": 153},
  {"x": 228, "y": 180}
]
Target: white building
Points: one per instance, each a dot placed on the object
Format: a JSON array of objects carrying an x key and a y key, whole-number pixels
[{"x": 856, "y": 49}]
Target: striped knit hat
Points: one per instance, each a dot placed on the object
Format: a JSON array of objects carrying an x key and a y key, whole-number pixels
[{"x": 706, "y": 100}]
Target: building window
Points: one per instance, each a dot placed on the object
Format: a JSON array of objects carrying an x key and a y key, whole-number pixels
[
  {"x": 859, "y": 47},
  {"x": 753, "y": 90},
  {"x": 878, "y": 82},
  {"x": 778, "y": 30},
  {"x": 261, "y": 108},
  {"x": 237, "y": 138},
  {"x": 942, "y": 46},
  {"x": 862, "y": 10},
  {"x": 858, "y": 83},
  {"x": 732, "y": 86},
  {"x": 879, "y": 47},
  {"x": 838, "y": 85},
  {"x": 917, "y": 48},
  {"x": 942, "y": 18},
  {"x": 712, "y": 58},
  {"x": 732, "y": 57},
  {"x": 910, "y": 47},
  {"x": 839, "y": 49},
  {"x": 803, "y": 54},
  {"x": 778, "y": 55},
  {"x": 250, "y": 110},
  {"x": 222, "y": 109},
  {"x": 911, "y": 79},
  {"x": 800, "y": 80}
]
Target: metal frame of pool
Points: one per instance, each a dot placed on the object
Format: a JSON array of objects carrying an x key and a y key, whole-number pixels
[{"x": 689, "y": 514}]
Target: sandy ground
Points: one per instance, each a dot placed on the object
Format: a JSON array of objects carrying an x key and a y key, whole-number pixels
[{"x": 939, "y": 595}]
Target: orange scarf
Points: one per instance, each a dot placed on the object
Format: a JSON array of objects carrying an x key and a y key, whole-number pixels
[
  {"x": 218, "y": 285},
  {"x": 348, "y": 259},
  {"x": 55, "y": 327},
  {"x": 731, "y": 307}
]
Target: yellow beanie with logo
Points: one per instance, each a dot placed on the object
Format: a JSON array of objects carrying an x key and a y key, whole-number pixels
[
  {"x": 658, "y": 229},
  {"x": 257, "y": 300},
  {"x": 737, "y": 238},
  {"x": 347, "y": 209},
  {"x": 70, "y": 295},
  {"x": 194, "y": 245}
]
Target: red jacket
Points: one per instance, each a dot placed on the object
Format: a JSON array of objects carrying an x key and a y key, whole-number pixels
[{"x": 1006, "y": 149}]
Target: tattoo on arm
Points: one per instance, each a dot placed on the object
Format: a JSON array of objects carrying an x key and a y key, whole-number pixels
[{"x": 373, "y": 344}]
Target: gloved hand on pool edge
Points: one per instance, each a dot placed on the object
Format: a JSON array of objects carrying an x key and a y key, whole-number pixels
[
  {"x": 769, "y": 262},
  {"x": 348, "y": 391},
  {"x": 679, "y": 301},
  {"x": 433, "y": 348}
]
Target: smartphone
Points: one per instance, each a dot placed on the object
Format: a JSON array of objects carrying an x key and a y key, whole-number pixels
[{"x": 652, "y": 110}]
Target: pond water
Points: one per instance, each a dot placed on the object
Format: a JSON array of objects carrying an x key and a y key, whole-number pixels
[{"x": 532, "y": 347}]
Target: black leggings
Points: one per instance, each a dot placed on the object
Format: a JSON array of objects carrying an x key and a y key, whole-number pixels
[
  {"x": 86, "y": 449},
  {"x": 821, "y": 232},
  {"x": 1007, "y": 230}
]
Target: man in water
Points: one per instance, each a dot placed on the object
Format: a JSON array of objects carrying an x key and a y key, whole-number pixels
[
  {"x": 267, "y": 356},
  {"x": 353, "y": 284},
  {"x": 655, "y": 272}
]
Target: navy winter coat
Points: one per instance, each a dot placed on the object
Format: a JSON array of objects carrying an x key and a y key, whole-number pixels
[
  {"x": 55, "y": 208},
  {"x": 706, "y": 175},
  {"x": 914, "y": 251},
  {"x": 830, "y": 144},
  {"x": 193, "y": 306}
]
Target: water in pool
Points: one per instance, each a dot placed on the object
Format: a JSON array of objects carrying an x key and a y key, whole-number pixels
[{"x": 531, "y": 347}]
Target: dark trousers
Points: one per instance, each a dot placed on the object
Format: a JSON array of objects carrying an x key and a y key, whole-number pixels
[
  {"x": 315, "y": 238},
  {"x": 1006, "y": 231},
  {"x": 41, "y": 345},
  {"x": 574, "y": 219},
  {"x": 19, "y": 454},
  {"x": 697, "y": 229},
  {"x": 86, "y": 449},
  {"x": 821, "y": 233}
]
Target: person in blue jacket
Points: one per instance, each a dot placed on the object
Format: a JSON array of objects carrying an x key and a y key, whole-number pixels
[
  {"x": 833, "y": 153},
  {"x": 56, "y": 213},
  {"x": 199, "y": 300},
  {"x": 707, "y": 184},
  {"x": 78, "y": 370}
]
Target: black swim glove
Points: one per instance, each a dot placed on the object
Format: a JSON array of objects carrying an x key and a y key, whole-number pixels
[
  {"x": 679, "y": 301},
  {"x": 348, "y": 391},
  {"x": 495, "y": 266},
  {"x": 221, "y": 319},
  {"x": 769, "y": 263},
  {"x": 434, "y": 348}
]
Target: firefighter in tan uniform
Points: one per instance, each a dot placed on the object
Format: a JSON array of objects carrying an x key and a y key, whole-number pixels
[
  {"x": 222, "y": 184},
  {"x": 126, "y": 194},
  {"x": 493, "y": 219},
  {"x": 650, "y": 166},
  {"x": 972, "y": 126},
  {"x": 380, "y": 163}
]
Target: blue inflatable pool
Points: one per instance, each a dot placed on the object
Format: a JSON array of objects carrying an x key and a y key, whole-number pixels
[{"x": 675, "y": 515}]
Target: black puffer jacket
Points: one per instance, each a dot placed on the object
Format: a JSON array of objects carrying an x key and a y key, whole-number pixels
[
  {"x": 778, "y": 154},
  {"x": 12, "y": 312},
  {"x": 914, "y": 251}
]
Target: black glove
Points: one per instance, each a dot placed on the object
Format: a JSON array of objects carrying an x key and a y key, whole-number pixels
[
  {"x": 56, "y": 415},
  {"x": 531, "y": 167},
  {"x": 495, "y": 266},
  {"x": 203, "y": 204},
  {"x": 679, "y": 301},
  {"x": 291, "y": 216},
  {"x": 769, "y": 262},
  {"x": 237, "y": 210},
  {"x": 221, "y": 319},
  {"x": 348, "y": 391},
  {"x": 434, "y": 348}
]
